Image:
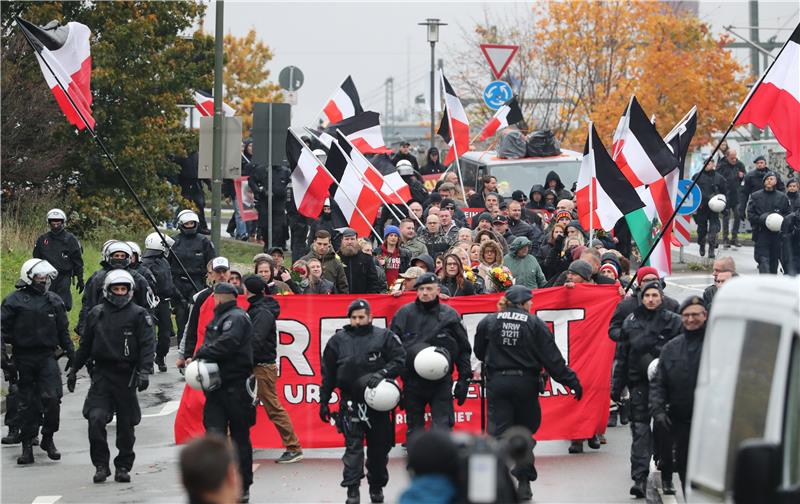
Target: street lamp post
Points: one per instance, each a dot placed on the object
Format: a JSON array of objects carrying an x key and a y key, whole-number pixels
[{"x": 433, "y": 25}]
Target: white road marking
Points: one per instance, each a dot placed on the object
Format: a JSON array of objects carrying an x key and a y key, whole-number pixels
[
  {"x": 698, "y": 289},
  {"x": 168, "y": 409},
  {"x": 46, "y": 499}
]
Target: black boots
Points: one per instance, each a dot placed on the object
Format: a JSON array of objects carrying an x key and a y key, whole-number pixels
[
  {"x": 162, "y": 366},
  {"x": 524, "y": 492},
  {"x": 667, "y": 486},
  {"x": 576, "y": 446},
  {"x": 27, "y": 453},
  {"x": 13, "y": 437},
  {"x": 594, "y": 442},
  {"x": 50, "y": 447},
  {"x": 375, "y": 494},
  {"x": 121, "y": 475},
  {"x": 639, "y": 488},
  {"x": 353, "y": 495},
  {"x": 101, "y": 474}
]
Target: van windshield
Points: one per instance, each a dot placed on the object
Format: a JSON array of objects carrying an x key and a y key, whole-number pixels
[{"x": 522, "y": 176}]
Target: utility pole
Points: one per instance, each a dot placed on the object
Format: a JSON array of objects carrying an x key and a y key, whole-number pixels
[
  {"x": 219, "y": 118},
  {"x": 389, "y": 102},
  {"x": 755, "y": 57},
  {"x": 432, "y": 25}
]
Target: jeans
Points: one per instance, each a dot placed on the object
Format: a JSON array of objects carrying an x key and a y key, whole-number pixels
[{"x": 241, "y": 226}]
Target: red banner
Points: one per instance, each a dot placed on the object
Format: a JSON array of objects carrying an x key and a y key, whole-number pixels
[
  {"x": 245, "y": 199},
  {"x": 578, "y": 318}
]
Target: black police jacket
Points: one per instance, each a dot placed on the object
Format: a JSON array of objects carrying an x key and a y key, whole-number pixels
[
  {"x": 762, "y": 203},
  {"x": 30, "y": 321},
  {"x": 437, "y": 325},
  {"x": 626, "y": 307},
  {"x": 194, "y": 251},
  {"x": 145, "y": 271},
  {"x": 265, "y": 337},
  {"x": 354, "y": 352},
  {"x": 229, "y": 343},
  {"x": 672, "y": 389},
  {"x": 644, "y": 334},
  {"x": 515, "y": 339},
  {"x": 730, "y": 172},
  {"x": 362, "y": 276},
  {"x": 158, "y": 265},
  {"x": 710, "y": 183},
  {"x": 118, "y": 336},
  {"x": 62, "y": 250},
  {"x": 93, "y": 293},
  {"x": 753, "y": 182}
]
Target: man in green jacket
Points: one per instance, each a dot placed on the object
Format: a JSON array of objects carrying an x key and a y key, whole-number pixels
[
  {"x": 524, "y": 267},
  {"x": 332, "y": 269}
]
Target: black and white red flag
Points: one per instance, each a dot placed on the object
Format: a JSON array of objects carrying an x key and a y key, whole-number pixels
[
  {"x": 204, "y": 102},
  {"x": 454, "y": 128},
  {"x": 507, "y": 115},
  {"x": 310, "y": 179},
  {"x": 385, "y": 184},
  {"x": 356, "y": 203},
  {"x": 64, "y": 57},
  {"x": 391, "y": 179},
  {"x": 343, "y": 103},
  {"x": 775, "y": 100},
  {"x": 363, "y": 130}
]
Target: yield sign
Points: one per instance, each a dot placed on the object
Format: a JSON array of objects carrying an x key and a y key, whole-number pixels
[{"x": 499, "y": 56}]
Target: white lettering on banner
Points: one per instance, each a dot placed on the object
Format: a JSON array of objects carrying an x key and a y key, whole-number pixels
[
  {"x": 305, "y": 393},
  {"x": 560, "y": 320},
  {"x": 294, "y": 351},
  {"x": 460, "y": 417}
]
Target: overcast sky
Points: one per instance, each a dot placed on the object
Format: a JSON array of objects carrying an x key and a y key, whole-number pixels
[{"x": 376, "y": 40}]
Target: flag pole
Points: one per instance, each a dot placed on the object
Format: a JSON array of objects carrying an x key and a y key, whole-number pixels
[
  {"x": 452, "y": 136},
  {"x": 591, "y": 189},
  {"x": 106, "y": 153}
]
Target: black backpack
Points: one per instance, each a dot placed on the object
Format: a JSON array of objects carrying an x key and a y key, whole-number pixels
[{"x": 542, "y": 143}]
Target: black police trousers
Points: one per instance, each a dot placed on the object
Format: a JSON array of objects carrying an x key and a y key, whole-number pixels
[
  {"x": 707, "y": 226},
  {"x": 40, "y": 392},
  {"x": 680, "y": 440},
  {"x": 514, "y": 400},
  {"x": 663, "y": 453},
  {"x": 113, "y": 390},
  {"x": 62, "y": 286},
  {"x": 642, "y": 438},
  {"x": 767, "y": 251},
  {"x": 182, "y": 305},
  {"x": 230, "y": 409},
  {"x": 419, "y": 393},
  {"x": 379, "y": 437},
  {"x": 164, "y": 326},
  {"x": 11, "y": 418}
]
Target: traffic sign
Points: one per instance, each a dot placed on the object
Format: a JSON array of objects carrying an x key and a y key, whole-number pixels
[
  {"x": 692, "y": 203},
  {"x": 291, "y": 78},
  {"x": 496, "y": 94},
  {"x": 499, "y": 56}
]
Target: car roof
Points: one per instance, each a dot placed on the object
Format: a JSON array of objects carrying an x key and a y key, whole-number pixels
[{"x": 490, "y": 157}]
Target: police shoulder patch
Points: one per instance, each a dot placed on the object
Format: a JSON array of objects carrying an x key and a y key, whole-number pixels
[
  {"x": 149, "y": 320},
  {"x": 227, "y": 325}
]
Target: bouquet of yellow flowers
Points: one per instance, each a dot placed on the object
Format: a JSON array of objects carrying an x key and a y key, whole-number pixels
[{"x": 501, "y": 277}]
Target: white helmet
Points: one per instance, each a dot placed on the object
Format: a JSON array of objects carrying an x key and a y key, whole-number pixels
[
  {"x": 327, "y": 202},
  {"x": 187, "y": 216},
  {"x": 118, "y": 277},
  {"x": 651, "y": 369},
  {"x": 135, "y": 248},
  {"x": 774, "y": 222},
  {"x": 104, "y": 248},
  {"x": 717, "y": 203},
  {"x": 116, "y": 246},
  {"x": 203, "y": 375},
  {"x": 37, "y": 267},
  {"x": 384, "y": 397},
  {"x": 404, "y": 167},
  {"x": 320, "y": 154},
  {"x": 56, "y": 214},
  {"x": 432, "y": 363},
  {"x": 154, "y": 242}
]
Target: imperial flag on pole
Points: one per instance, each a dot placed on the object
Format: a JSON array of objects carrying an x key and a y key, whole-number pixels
[
  {"x": 65, "y": 59},
  {"x": 508, "y": 114},
  {"x": 310, "y": 180},
  {"x": 454, "y": 128},
  {"x": 357, "y": 204},
  {"x": 343, "y": 103},
  {"x": 775, "y": 100},
  {"x": 363, "y": 130},
  {"x": 204, "y": 102},
  {"x": 382, "y": 183}
]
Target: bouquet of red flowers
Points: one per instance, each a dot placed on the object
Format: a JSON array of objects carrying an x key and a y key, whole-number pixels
[{"x": 501, "y": 278}]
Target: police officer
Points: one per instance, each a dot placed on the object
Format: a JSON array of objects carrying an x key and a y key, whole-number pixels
[
  {"x": 710, "y": 183},
  {"x": 426, "y": 322},
  {"x": 139, "y": 267},
  {"x": 644, "y": 333},
  {"x": 63, "y": 251},
  {"x": 34, "y": 321},
  {"x": 515, "y": 345},
  {"x": 672, "y": 388},
  {"x": 116, "y": 255},
  {"x": 229, "y": 408},
  {"x": 767, "y": 250},
  {"x": 754, "y": 180},
  {"x": 194, "y": 251},
  {"x": 119, "y": 337},
  {"x": 155, "y": 259},
  {"x": 361, "y": 355}
]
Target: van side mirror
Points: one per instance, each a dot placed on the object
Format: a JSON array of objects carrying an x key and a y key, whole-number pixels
[{"x": 757, "y": 472}]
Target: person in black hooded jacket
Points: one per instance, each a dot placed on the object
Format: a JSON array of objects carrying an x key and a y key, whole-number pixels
[
  {"x": 536, "y": 198},
  {"x": 553, "y": 181},
  {"x": 433, "y": 164}
]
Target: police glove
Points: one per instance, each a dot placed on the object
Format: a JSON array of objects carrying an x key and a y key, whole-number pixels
[
  {"x": 460, "y": 392},
  {"x": 70, "y": 361},
  {"x": 663, "y": 422},
  {"x": 143, "y": 382},
  {"x": 325, "y": 412},
  {"x": 72, "y": 379},
  {"x": 578, "y": 389},
  {"x": 79, "y": 285},
  {"x": 376, "y": 378}
]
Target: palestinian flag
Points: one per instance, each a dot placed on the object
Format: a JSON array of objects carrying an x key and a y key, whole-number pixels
[
  {"x": 775, "y": 100},
  {"x": 508, "y": 114},
  {"x": 454, "y": 128},
  {"x": 363, "y": 130},
  {"x": 310, "y": 179},
  {"x": 204, "y": 102},
  {"x": 356, "y": 203},
  {"x": 65, "y": 59},
  {"x": 343, "y": 103}
]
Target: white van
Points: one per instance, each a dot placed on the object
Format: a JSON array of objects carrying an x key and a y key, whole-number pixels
[{"x": 745, "y": 439}]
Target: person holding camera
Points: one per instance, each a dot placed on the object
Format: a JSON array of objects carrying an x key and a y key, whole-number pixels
[
  {"x": 361, "y": 356},
  {"x": 515, "y": 345}
]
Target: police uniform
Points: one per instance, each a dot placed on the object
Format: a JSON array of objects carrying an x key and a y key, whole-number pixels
[
  {"x": 64, "y": 252},
  {"x": 228, "y": 343},
  {"x": 438, "y": 325},
  {"x": 710, "y": 183},
  {"x": 767, "y": 250},
  {"x": 121, "y": 342},
  {"x": 35, "y": 323},
  {"x": 352, "y": 356},
  {"x": 514, "y": 346},
  {"x": 164, "y": 288},
  {"x": 93, "y": 294},
  {"x": 194, "y": 251}
]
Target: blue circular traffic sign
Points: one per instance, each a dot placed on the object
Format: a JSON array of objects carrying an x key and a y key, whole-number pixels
[
  {"x": 496, "y": 94},
  {"x": 692, "y": 203}
]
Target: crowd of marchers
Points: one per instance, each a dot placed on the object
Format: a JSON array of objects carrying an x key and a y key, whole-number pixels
[{"x": 513, "y": 246}]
